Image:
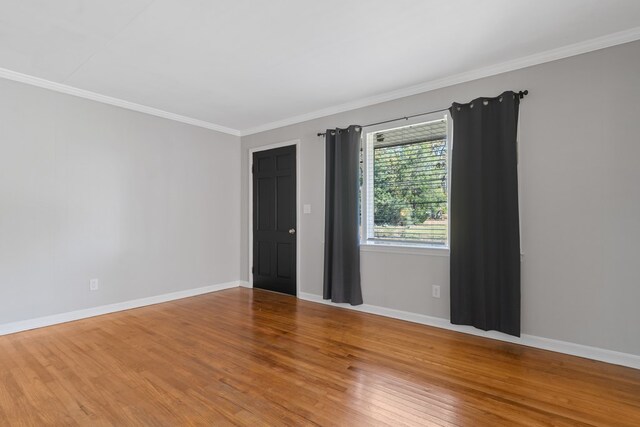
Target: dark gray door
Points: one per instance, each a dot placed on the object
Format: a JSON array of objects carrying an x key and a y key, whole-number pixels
[{"x": 274, "y": 220}]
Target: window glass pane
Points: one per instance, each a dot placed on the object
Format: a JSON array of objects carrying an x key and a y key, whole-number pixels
[{"x": 410, "y": 183}]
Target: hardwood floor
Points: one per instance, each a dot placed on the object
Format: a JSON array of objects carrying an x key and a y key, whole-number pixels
[{"x": 252, "y": 357}]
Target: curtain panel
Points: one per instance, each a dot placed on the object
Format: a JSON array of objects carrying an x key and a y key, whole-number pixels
[
  {"x": 485, "y": 230},
  {"x": 342, "y": 216}
]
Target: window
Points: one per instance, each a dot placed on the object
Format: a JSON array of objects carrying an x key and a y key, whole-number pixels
[{"x": 406, "y": 184}]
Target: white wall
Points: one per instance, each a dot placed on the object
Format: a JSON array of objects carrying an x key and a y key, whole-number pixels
[
  {"x": 146, "y": 205},
  {"x": 580, "y": 148}
]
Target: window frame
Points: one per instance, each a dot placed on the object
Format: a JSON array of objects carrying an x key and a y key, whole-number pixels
[{"x": 371, "y": 244}]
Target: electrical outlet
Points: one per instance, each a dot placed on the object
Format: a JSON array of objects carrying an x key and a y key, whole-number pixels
[
  {"x": 435, "y": 291},
  {"x": 93, "y": 285},
  {"x": 306, "y": 209}
]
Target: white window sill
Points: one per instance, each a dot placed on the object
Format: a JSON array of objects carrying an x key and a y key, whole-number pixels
[{"x": 404, "y": 248}]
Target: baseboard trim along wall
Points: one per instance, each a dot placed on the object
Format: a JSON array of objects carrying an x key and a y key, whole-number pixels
[
  {"x": 40, "y": 322},
  {"x": 595, "y": 353}
]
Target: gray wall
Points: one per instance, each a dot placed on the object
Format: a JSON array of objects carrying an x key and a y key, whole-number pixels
[
  {"x": 146, "y": 205},
  {"x": 580, "y": 148}
]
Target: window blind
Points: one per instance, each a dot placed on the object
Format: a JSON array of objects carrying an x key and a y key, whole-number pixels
[{"x": 410, "y": 167}]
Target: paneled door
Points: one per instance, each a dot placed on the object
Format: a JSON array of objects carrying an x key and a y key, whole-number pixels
[{"x": 274, "y": 219}]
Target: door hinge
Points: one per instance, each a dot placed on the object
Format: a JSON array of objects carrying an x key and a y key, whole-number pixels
[
  {"x": 253, "y": 169},
  {"x": 252, "y": 270}
]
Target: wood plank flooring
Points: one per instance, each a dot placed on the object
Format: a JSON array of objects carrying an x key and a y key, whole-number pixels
[{"x": 250, "y": 357}]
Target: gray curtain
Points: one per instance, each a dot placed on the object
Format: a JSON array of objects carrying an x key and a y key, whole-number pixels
[
  {"x": 342, "y": 239},
  {"x": 485, "y": 235}
]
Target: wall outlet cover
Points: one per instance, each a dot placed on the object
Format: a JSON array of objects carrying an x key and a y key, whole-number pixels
[{"x": 435, "y": 291}]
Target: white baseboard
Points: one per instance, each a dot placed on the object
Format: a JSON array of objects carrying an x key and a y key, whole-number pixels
[
  {"x": 24, "y": 325},
  {"x": 595, "y": 353}
]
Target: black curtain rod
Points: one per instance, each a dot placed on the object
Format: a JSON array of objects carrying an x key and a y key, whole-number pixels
[{"x": 521, "y": 94}]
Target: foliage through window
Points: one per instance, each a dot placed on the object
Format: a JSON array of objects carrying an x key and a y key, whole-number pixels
[{"x": 407, "y": 173}]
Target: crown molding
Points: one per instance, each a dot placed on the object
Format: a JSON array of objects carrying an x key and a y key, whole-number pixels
[
  {"x": 81, "y": 93},
  {"x": 598, "y": 43}
]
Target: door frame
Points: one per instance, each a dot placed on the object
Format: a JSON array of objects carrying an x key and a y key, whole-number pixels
[{"x": 295, "y": 142}]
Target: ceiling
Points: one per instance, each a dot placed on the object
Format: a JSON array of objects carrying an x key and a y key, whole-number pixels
[{"x": 249, "y": 65}]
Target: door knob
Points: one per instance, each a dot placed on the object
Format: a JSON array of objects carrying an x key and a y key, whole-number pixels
[{"x": 292, "y": 231}]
